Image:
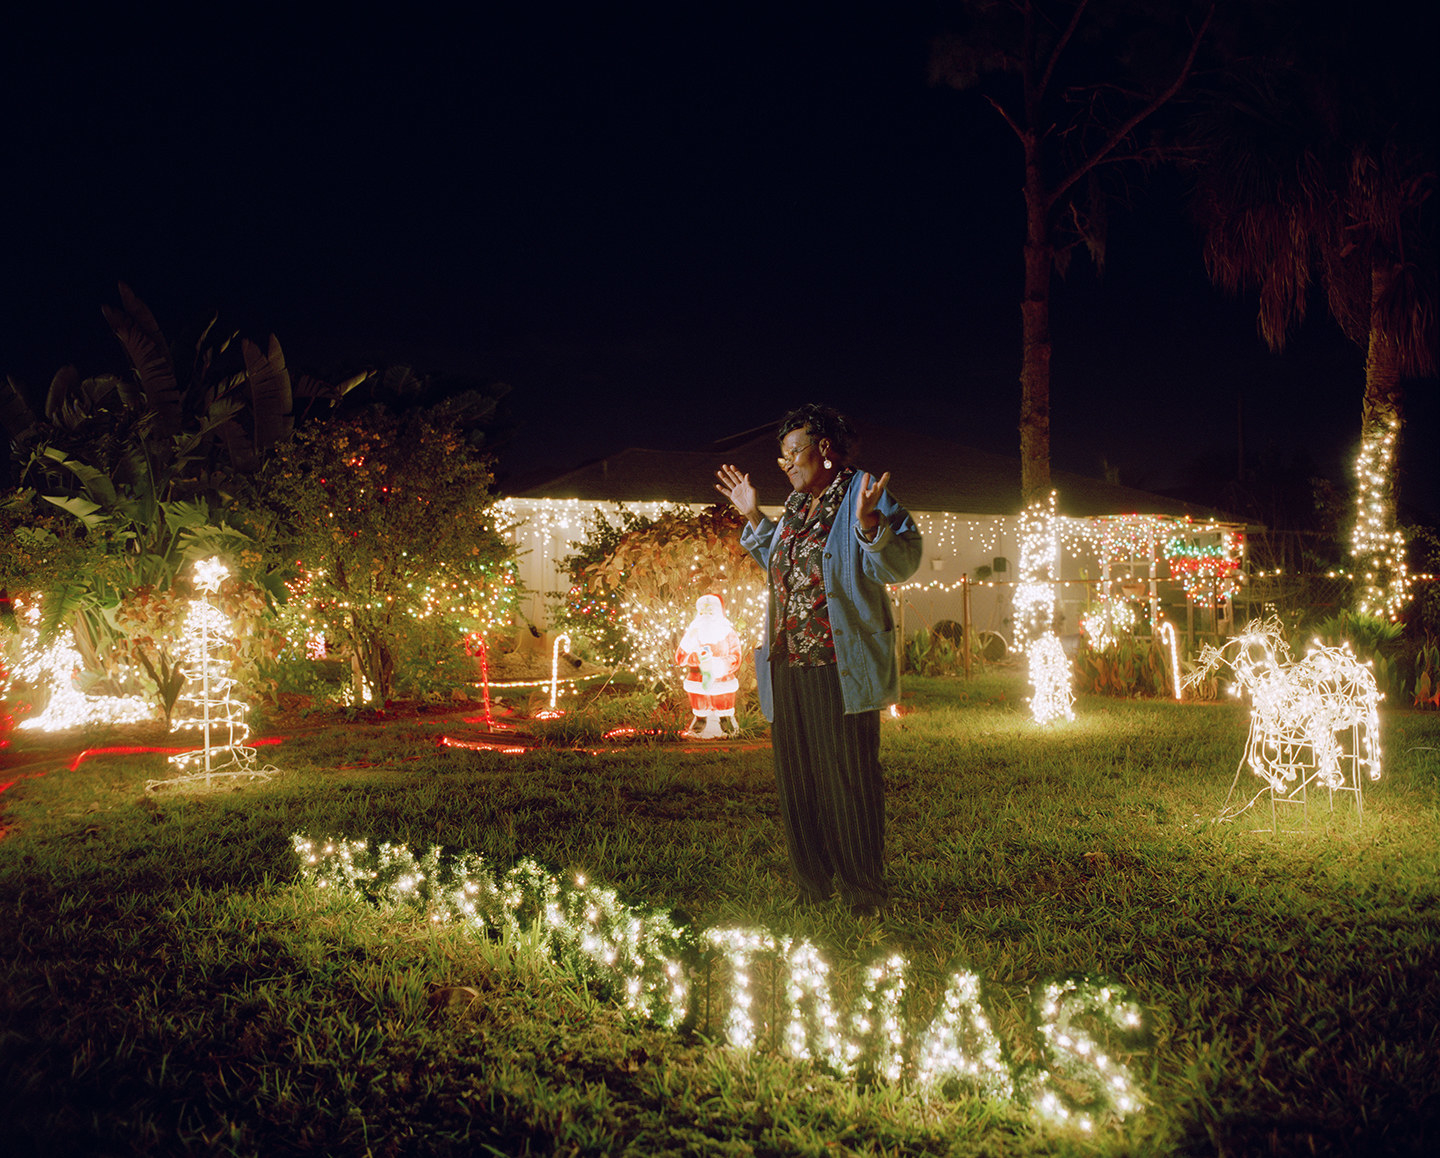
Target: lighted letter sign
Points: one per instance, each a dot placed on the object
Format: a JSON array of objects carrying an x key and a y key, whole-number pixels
[{"x": 649, "y": 963}]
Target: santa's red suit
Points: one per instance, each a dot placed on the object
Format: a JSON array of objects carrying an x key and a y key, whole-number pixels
[{"x": 710, "y": 649}]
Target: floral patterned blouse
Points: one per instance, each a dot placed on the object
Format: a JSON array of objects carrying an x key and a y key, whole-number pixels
[{"x": 800, "y": 631}]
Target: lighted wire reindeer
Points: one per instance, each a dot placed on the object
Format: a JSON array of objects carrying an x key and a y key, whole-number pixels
[{"x": 1315, "y": 719}]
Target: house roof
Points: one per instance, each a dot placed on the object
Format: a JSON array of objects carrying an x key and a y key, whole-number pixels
[{"x": 926, "y": 474}]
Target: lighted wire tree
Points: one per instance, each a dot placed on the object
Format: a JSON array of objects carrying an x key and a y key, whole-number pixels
[{"x": 208, "y": 706}]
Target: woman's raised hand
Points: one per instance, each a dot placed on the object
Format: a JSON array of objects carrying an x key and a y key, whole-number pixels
[
  {"x": 736, "y": 487},
  {"x": 870, "y": 491}
]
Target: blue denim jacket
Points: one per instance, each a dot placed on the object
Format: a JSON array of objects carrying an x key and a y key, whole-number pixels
[{"x": 861, "y": 617}]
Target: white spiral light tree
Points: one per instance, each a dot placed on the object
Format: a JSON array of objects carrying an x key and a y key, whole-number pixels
[{"x": 208, "y": 684}]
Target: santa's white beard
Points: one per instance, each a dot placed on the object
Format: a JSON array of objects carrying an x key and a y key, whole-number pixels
[{"x": 703, "y": 632}]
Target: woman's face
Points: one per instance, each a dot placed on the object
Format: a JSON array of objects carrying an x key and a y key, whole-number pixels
[{"x": 803, "y": 461}]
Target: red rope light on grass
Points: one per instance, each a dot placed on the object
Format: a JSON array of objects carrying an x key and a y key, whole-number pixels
[
  {"x": 125, "y": 751},
  {"x": 139, "y": 750}
]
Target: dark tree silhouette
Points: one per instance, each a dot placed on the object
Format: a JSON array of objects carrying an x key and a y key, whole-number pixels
[{"x": 1074, "y": 80}]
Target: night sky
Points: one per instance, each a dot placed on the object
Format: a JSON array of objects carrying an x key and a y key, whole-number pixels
[{"x": 656, "y": 229}]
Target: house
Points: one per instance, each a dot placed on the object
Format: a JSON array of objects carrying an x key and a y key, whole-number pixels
[{"x": 965, "y": 501}]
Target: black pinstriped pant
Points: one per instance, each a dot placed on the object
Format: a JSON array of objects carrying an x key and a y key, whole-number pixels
[{"x": 832, "y": 793}]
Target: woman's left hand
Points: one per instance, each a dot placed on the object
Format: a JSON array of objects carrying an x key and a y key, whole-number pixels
[{"x": 870, "y": 491}]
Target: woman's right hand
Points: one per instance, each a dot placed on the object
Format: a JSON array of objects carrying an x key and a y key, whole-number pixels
[{"x": 736, "y": 487}]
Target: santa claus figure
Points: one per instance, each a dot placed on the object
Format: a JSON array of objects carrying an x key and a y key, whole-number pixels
[{"x": 710, "y": 649}]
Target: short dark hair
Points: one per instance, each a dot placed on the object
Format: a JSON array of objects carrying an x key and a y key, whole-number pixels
[{"x": 820, "y": 422}]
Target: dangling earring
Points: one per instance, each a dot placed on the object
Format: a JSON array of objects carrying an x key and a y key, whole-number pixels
[{"x": 828, "y": 464}]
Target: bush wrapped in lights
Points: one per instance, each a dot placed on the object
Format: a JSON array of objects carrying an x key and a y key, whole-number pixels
[
  {"x": 55, "y": 668},
  {"x": 652, "y": 577},
  {"x": 382, "y": 522}
]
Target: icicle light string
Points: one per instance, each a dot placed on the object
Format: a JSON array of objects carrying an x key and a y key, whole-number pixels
[{"x": 650, "y": 963}]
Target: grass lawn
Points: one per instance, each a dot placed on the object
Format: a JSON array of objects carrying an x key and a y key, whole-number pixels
[{"x": 171, "y": 985}]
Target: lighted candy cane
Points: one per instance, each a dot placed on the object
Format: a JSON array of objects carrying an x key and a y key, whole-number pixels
[
  {"x": 555, "y": 666},
  {"x": 1167, "y": 633}
]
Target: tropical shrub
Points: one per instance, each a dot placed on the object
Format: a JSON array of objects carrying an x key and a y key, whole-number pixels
[
  {"x": 1373, "y": 639},
  {"x": 1130, "y": 667},
  {"x": 1426, "y": 686},
  {"x": 142, "y": 463},
  {"x": 932, "y": 653}
]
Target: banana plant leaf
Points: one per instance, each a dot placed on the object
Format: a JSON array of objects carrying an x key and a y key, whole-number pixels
[
  {"x": 89, "y": 513},
  {"x": 135, "y": 327},
  {"x": 16, "y": 416},
  {"x": 270, "y": 394}
]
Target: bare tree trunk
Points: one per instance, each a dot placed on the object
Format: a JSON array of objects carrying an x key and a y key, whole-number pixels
[
  {"x": 372, "y": 659},
  {"x": 1035, "y": 346}
]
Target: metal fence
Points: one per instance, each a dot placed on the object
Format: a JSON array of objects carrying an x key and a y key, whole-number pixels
[{"x": 1297, "y": 597}]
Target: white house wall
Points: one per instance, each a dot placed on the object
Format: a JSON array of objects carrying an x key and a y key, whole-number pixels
[{"x": 546, "y": 531}]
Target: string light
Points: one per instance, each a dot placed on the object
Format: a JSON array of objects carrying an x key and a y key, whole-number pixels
[
  {"x": 739, "y": 947},
  {"x": 1104, "y": 622},
  {"x": 56, "y": 666},
  {"x": 562, "y": 642},
  {"x": 1376, "y": 543},
  {"x": 1300, "y": 710},
  {"x": 214, "y": 712},
  {"x": 646, "y": 959},
  {"x": 1208, "y": 572},
  {"x": 1034, "y": 600},
  {"x": 1050, "y": 677},
  {"x": 209, "y": 683},
  {"x": 1034, "y": 597},
  {"x": 961, "y": 1045},
  {"x": 1078, "y": 1058}
]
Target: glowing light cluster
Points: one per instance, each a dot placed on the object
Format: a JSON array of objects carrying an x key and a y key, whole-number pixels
[
  {"x": 945, "y": 533},
  {"x": 1376, "y": 543},
  {"x": 1050, "y": 677},
  {"x": 57, "y": 665},
  {"x": 961, "y": 1046},
  {"x": 642, "y": 954},
  {"x": 1300, "y": 711},
  {"x": 636, "y": 952},
  {"x": 1104, "y": 622},
  {"x": 1034, "y": 601},
  {"x": 1079, "y": 1059},
  {"x": 1034, "y": 598},
  {"x": 7, "y": 721},
  {"x": 1208, "y": 572}
]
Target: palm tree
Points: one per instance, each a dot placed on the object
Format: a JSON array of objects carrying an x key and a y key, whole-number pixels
[
  {"x": 1312, "y": 174},
  {"x": 1088, "y": 77}
]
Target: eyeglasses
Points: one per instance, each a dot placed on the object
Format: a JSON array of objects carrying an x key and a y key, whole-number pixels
[{"x": 789, "y": 460}]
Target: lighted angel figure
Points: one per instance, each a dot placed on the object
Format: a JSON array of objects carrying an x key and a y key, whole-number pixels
[
  {"x": 1300, "y": 711},
  {"x": 710, "y": 649}
]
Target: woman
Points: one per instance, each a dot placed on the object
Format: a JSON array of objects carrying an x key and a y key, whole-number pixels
[{"x": 827, "y": 665}]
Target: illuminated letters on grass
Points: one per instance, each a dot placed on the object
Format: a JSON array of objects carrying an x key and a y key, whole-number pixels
[{"x": 779, "y": 989}]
